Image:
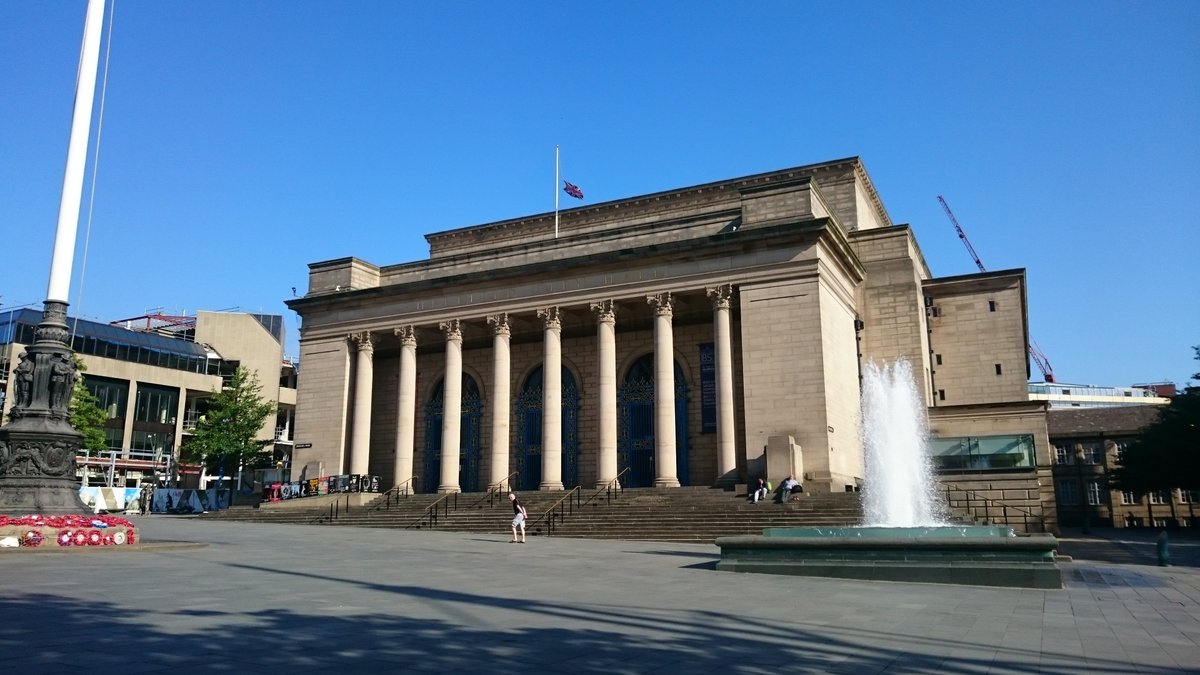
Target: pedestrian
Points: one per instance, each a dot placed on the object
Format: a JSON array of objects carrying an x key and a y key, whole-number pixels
[
  {"x": 519, "y": 516},
  {"x": 786, "y": 488},
  {"x": 760, "y": 490}
]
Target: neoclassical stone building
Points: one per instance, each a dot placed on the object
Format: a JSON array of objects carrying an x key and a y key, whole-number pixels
[{"x": 670, "y": 336}]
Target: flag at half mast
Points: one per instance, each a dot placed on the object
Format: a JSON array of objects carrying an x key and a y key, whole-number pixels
[{"x": 572, "y": 189}]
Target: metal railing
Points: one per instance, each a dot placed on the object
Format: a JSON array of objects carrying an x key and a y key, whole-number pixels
[
  {"x": 336, "y": 510},
  {"x": 394, "y": 495},
  {"x": 990, "y": 511},
  {"x": 573, "y": 500},
  {"x": 495, "y": 491},
  {"x": 436, "y": 511}
]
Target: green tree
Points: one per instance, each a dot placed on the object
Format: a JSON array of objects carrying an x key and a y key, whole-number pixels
[
  {"x": 84, "y": 415},
  {"x": 226, "y": 435},
  {"x": 1166, "y": 454}
]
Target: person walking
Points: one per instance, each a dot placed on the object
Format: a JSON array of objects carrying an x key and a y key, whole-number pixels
[{"x": 519, "y": 516}]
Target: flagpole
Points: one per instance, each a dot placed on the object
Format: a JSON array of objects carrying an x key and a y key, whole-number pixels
[{"x": 556, "y": 191}]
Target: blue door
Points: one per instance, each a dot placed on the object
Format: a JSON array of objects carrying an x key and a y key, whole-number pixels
[
  {"x": 635, "y": 405},
  {"x": 528, "y": 417},
  {"x": 470, "y": 439}
]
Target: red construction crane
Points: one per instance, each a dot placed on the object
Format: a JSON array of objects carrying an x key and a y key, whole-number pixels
[{"x": 1039, "y": 358}]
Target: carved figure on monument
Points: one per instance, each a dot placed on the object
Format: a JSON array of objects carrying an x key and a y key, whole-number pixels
[
  {"x": 62, "y": 382},
  {"x": 24, "y": 375}
]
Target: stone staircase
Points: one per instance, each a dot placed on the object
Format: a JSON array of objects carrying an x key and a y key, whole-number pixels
[{"x": 688, "y": 514}]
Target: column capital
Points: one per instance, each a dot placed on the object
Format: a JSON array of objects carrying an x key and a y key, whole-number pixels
[
  {"x": 452, "y": 330},
  {"x": 605, "y": 311},
  {"x": 407, "y": 335},
  {"x": 721, "y": 296},
  {"x": 551, "y": 317},
  {"x": 662, "y": 303},
  {"x": 363, "y": 341},
  {"x": 500, "y": 325}
]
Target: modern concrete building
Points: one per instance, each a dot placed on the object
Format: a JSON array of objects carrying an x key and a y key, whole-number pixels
[
  {"x": 152, "y": 375},
  {"x": 670, "y": 339}
]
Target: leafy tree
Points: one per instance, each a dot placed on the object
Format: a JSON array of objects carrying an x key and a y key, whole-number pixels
[
  {"x": 85, "y": 416},
  {"x": 226, "y": 435},
  {"x": 1166, "y": 454}
]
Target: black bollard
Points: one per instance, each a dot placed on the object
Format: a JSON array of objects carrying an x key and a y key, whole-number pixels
[{"x": 1164, "y": 553}]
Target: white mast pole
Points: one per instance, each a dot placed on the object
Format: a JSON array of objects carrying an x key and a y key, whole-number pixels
[
  {"x": 556, "y": 191},
  {"x": 81, "y": 123}
]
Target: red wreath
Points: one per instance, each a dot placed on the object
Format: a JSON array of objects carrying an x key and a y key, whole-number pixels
[
  {"x": 66, "y": 538},
  {"x": 32, "y": 539},
  {"x": 94, "y": 538}
]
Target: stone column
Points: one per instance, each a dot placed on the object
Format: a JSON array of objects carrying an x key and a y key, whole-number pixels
[
  {"x": 406, "y": 407},
  {"x": 726, "y": 445},
  {"x": 551, "y": 400},
  {"x": 364, "y": 380},
  {"x": 451, "y": 407},
  {"x": 606, "y": 337},
  {"x": 665, "y": 471},
  {"x": 501, "y": 396}
]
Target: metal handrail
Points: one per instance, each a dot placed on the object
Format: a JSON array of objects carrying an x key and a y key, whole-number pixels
[
  {"x": 394, "y": 494},
  {"x": 563, "y": 505},
  {"x": 494, "y": 490},
  {"x": 612, "y": 490},
  {"x": 335, "y": 510},
  {"x": 445, "y": 504},
  {"x": 988, "y": 505}
]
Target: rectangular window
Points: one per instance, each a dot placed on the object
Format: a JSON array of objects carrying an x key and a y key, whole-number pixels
[
  {"x": 1068, "y": 493},
  {"x": 937, "y": 358},
  {"x": 934, "y": 311},
  {"x": 998, "y": 370},
  {"x": 1095, "y": 492},
  {"x": 991, "y": 305},
  {"x": 1062, "y": 455},
  {"x": 1160, "y": 522},
  {"x": 941, "y": 394},
  {"x": 1128, "y": 498},
  {"x": 1158, "y": 497},
  {"x": 985, "y": 453},
  {"x": 1189, "y": 496}
]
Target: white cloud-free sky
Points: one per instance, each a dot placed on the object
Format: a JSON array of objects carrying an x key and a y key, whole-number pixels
[{"x": 243, "y": 140}]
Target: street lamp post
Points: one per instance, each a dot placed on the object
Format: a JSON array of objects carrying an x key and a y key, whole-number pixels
[{"x": 1084, "y": 507}]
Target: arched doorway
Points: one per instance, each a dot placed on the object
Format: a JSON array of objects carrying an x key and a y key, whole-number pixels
[
  {"x": 470, "y": 440},
  {"x": 635, "y": 405},
  {"x": 527, "y": 411}
]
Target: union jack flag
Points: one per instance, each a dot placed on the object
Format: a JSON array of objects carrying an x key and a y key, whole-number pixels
[{"x": 573, "y": 190}]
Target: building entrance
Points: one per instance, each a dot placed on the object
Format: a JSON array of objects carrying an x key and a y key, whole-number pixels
[
  {"x": 471, "y": 446},
  {"x": 635, "y": 405},
  {"x": 527, "y": 414}
]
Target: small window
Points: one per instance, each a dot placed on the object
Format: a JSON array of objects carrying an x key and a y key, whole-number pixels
[
  {"x": 937, "y": 359},
  {"x": 934, "y": 311},
  {"x": 991, "y": 305},
  {"x": 941, "y": 394},
  {"x": 999, "y": 370}
]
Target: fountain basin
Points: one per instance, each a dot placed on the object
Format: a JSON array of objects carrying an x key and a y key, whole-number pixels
[{"x": 968, "y": 555}]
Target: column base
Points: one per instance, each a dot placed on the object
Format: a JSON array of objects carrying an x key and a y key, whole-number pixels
[
  {"x": 549, "y": 486},
  {"x": 666, "y": 482},
  {"x": 448, "y": 489}
]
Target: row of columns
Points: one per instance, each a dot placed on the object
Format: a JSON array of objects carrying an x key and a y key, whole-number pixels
[{"x": 605, "y": 312}]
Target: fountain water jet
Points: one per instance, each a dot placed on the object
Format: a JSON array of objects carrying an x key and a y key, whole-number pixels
[{"x": 900, "y": 491}]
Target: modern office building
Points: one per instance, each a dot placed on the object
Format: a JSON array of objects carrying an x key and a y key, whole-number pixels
[
  {"x": 1062, "y": 395},
  {"x": 152, "y": 374},
  {"x": 696, "y": 336}
]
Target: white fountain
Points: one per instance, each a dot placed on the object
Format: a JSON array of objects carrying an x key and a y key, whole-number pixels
[
  {"x": 905, "y": 535},
  {"x": 900, "y": 490}
]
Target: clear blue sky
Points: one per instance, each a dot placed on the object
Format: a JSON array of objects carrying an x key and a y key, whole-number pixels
[{"x": 244, "y": 140}]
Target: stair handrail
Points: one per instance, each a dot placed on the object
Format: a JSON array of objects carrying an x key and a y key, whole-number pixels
[
  {"x": 613, "y": 490},
  {"x": 395, "y": 493},
  {"x": 988, "y": 503},
  {"x": 335, "y": 510},
  {"x": 446, "y": 503},
  {"x": 495, "y": 490},
  {"x": 564, "y": 506}
]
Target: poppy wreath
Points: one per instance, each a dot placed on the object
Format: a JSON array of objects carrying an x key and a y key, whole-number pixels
[
  {"x": 66, "y": 538},
  {"x": 94, "y": 538},
  {"x": 70, "y": 521},
  {"x": 32, "y": 539},
  {"x": 80, "y": 538},
  {"x": 118, "y": 538}
]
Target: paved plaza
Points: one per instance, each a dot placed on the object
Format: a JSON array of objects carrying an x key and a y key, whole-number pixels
[{"x": 278, "y": 598}]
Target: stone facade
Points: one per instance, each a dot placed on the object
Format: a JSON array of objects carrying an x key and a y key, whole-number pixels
[{"x": 762, "y": 295}]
